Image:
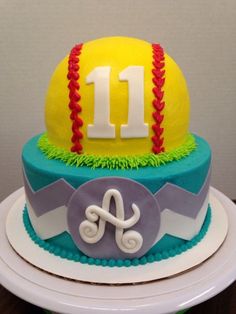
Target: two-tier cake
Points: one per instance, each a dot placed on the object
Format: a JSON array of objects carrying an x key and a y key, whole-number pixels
[{"x": 117, "y": 180}]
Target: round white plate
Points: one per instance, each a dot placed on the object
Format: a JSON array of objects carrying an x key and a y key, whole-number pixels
[
  {"x": 163, "y": 296},
  {"x": 46, "y": 261}
]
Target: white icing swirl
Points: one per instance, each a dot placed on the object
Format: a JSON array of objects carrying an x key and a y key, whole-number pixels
[
  {"x": 89, "y": 231},
  {"x": 130, "y": 241}
]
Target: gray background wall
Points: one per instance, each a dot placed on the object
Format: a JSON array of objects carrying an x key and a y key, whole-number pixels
[{"x": 199, "y": 34}]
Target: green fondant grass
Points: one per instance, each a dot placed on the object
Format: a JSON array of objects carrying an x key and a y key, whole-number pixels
[{"x": 115, "y": 162}]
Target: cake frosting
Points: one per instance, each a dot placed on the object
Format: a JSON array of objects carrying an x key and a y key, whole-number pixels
[{"x": 117, "y": 179}]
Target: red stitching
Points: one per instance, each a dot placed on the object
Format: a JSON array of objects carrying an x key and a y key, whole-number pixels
[
  {"x": 73, "y": 77},
  {"x": 158, "y": 102}
]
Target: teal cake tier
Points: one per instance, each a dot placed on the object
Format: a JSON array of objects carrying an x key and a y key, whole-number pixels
[{"x": 172, "y": 201}]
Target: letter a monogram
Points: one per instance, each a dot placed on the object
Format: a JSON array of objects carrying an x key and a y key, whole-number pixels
[{"x": 93, "y": 228}]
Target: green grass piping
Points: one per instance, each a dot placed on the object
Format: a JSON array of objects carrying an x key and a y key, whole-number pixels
[{"x": 115, "y": 162}]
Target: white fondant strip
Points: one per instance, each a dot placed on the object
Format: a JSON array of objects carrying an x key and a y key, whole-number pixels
[
  {"x": 55, "y": 222},
  {"x": 181, "y": 226},
  {"x": 50, "y": 224}
]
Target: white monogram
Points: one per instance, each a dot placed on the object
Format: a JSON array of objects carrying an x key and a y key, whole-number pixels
[{"x": 92, "y": 229}]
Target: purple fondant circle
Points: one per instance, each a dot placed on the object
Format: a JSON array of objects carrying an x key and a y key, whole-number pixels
[{"x": 92, "y": 193}]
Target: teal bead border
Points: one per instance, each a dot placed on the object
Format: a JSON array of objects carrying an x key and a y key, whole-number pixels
[{"x": 83, "y": 259}]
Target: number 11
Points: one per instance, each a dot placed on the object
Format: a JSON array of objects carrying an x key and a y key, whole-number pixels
[{"x": 102, "y": 128}]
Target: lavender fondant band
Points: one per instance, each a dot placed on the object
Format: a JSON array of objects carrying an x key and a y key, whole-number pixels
[
  {"x": 117, "y": 213},
  {"x": 169, "y": 196}
]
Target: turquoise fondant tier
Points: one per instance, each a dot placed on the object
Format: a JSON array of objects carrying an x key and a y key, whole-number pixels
[
  {"x": 188, "y": 173},
  {"x": 64, "y": 247}
]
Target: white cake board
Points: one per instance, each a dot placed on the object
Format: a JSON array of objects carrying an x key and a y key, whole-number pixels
[
  {"x": 163, "y": 296},
  {"x": 31, "y": 252}
]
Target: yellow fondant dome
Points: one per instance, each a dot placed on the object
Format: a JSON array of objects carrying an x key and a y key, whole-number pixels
[{"x": 114, "y": 84}]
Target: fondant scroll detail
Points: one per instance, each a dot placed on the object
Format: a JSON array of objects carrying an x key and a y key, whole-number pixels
[{"x": 91, "y": 232}]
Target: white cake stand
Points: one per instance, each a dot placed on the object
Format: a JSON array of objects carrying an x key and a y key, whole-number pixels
[{"x": 163, "y": 296}]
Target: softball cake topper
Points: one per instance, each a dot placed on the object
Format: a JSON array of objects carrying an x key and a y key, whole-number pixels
[{"x": 117, "y": 97}]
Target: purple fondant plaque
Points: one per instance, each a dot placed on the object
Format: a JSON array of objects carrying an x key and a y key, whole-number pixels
[{"x": 92, "y": 193}]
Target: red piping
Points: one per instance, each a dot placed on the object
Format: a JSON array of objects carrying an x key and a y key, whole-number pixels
[
  {"x": 74, "y": 95},
  {"x": 158, "y": 102}
]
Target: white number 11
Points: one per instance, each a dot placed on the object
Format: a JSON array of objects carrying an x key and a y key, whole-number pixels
[{"x": 102, "y": 128}]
